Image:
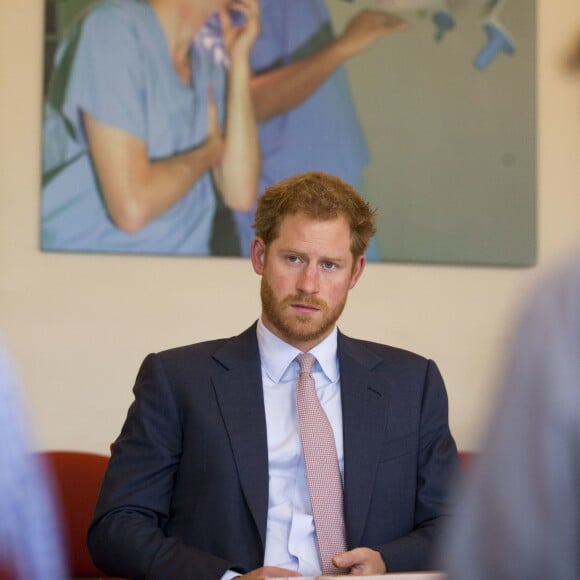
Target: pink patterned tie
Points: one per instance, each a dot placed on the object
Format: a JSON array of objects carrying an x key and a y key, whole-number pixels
[{"x": 322, "y": 471}]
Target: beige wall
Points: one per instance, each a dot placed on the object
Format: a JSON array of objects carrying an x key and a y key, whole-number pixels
[{"x": 78, "y": 327}]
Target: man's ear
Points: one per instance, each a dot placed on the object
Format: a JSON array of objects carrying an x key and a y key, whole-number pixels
[
  {"x": 357, "y": 270},
  {"x": 258, "y": 255}
]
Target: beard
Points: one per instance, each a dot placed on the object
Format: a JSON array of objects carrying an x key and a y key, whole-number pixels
[{"x": 294, "y": 327}]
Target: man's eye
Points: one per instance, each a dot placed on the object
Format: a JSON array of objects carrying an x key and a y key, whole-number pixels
[
  {"x": 293, "y": 259},
  {"x": 328, "y": 265}
]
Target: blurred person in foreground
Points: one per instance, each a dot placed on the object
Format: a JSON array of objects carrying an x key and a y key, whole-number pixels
[
  {"x": 30, "y": 534},
  {"x": 220, "y": 471},
  {"x": 520, "y": 512}
]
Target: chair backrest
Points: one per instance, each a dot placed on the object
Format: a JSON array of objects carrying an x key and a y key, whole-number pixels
[
  {"x": 5, "y": 572},
  {"x": 467, "y": 458},
  {"x": 78, "y": 476}
]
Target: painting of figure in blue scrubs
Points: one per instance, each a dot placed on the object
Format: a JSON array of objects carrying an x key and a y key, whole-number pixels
[
  {"x": 304, "y": 104},
  {"x": 149, "y": 126},
  {"x": 427, "y": 107}
]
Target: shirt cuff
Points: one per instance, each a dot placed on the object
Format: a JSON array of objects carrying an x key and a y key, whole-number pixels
[{"x": 230, "y": 574}]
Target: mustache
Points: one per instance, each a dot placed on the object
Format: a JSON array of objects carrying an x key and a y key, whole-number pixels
[{"x": 305, "y": 301}]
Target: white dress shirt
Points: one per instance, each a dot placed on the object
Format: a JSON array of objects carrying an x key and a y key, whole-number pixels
[{"x": 290, "y": 533}]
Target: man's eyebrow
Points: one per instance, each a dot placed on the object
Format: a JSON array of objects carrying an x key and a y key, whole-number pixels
[{"x": 290, "y": 251}]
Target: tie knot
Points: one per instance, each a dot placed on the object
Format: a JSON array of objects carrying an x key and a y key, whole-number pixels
[{"x": 305, "y": 360}]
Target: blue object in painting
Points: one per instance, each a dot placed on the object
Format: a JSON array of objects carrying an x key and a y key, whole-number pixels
[
  {"x": 444, "y": 22},
  {"x": 498, "y": 41}
]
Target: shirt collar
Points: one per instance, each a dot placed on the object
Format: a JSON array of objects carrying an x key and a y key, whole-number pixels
[{"x": 276, "y": 355}]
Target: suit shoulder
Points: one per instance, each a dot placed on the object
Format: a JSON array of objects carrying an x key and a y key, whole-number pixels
[
  {"x": 383, "y": 351},
  {"x": 189, "y": 351},
  {"x": 224, "y": 351}
]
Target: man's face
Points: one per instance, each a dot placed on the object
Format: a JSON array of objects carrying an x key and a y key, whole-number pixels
[{"x": 306, "y": 272}]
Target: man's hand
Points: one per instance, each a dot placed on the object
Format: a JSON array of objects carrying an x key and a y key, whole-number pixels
[
  {"x": 270, "y": 572},
  {"x": 365, "y": 28},
  {"x": 361, "y": 561}
]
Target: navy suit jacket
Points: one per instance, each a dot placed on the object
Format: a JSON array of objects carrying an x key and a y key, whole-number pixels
[{"x": 186, "y": 491}]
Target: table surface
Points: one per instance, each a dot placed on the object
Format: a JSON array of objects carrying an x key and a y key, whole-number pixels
[{"x": 396, "y": 576}]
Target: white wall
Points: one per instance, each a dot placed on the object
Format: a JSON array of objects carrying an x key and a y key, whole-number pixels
[{"x": 79, "y": 326}]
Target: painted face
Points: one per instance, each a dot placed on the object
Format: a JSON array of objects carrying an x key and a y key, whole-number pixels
[
  {"x": 307, "y": 272},
  {"x": 221, "y": 4},
  {"x": 210, "y": 6}
]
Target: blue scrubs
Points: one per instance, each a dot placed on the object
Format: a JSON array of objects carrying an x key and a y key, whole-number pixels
[
  {"x": 115, "y": 65},
  {"x": 321, "y": 134}
]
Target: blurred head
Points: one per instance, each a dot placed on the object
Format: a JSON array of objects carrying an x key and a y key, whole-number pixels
[{"x": 321, "y": 197}]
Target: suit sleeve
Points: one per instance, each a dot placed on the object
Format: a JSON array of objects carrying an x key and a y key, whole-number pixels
[
  {"x": 126, "y": 537},
  {"x": 437, "y": 463}
]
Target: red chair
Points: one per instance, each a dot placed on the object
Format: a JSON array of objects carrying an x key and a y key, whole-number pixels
[
  {"x": 5, "y": 573},
  {"x": 467, "y": 458},
  {"x": 78, "y": 476}
]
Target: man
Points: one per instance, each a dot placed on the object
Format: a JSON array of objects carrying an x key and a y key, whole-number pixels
[
  {"x": 302, "y": 98},
  {"x": 209, "y": 478}
]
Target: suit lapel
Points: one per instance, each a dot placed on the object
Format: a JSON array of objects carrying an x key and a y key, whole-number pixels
[
  {"x": 240, "y": 397},
  {"x": 364, "y": 414},
  {"x": 364, "y": 409}
]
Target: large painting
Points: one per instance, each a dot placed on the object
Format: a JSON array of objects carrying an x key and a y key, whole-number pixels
[{"x": 434, "y": 122}]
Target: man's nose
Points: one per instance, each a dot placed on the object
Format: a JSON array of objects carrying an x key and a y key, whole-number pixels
[{"x": 309, "y": 280}]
